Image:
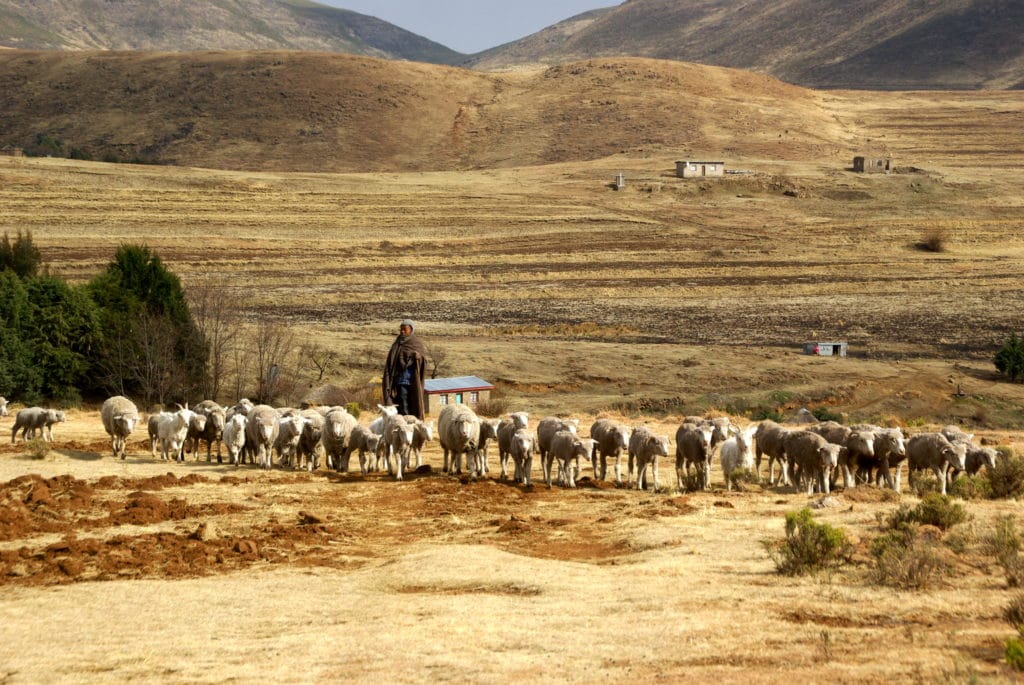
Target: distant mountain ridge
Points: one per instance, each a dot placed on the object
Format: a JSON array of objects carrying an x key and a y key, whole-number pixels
[
  {"x": 191, "y": 25},
  {"x": 870, "y": 44}
]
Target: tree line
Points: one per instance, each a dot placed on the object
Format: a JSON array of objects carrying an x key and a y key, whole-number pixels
[{"x": 132, "y": 330}]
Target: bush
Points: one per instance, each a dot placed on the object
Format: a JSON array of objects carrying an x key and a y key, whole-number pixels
[
  {"x": 906, "y": 559},
  {"x": 744, "y": 475},
  {"x": 1004, "y": 544},
  {"x": 940, "y": 511},
  {"x": 353, "y": 409},
  {"x": 493, "y": 408},
  {"x": 763, "y": 413},
  {"x": 1007, "y": 478},
  {"x": 809, "y": 546},
  {"x": 826, "y": 414},
  {"x": 933, "y": 241},
  {"x": 933, "y": 510},
  {"x": 972, "y": 487},
  {"x": 1015, "y": 653}
]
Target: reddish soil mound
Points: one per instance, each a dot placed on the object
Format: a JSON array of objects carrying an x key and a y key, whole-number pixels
[{"x": 33, "y": 504}]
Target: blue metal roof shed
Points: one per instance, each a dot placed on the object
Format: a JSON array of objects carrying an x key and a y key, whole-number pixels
[
  {"x": 469, "y": 390},
  {"x": 457, "y": 384}
]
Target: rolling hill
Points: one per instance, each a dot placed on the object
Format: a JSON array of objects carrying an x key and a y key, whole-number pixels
[
  {"x": 873, "y": 44},
  {"x": 200, "y": 25},
  {"x": 334, "y": 112}
]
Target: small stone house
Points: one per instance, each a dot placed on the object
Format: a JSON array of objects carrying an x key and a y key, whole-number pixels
[
  {"x": 688, "y": 169},
  {"x": 868, "y": 165},
  {"x": 825, "y": 349},
  {"x": 468, "y": 390}
]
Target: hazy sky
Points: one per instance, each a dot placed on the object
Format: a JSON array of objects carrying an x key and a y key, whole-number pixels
[{"x": 471, "y": 25}]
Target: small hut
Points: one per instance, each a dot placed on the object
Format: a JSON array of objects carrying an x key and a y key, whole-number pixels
[
  {"x": 688, "y": 169},
  {"x": 825, "y": 349},
  {"x": 869, "y": 165}
]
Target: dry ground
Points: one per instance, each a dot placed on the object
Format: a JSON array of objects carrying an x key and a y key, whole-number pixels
[{"x": 143, "y": 570}]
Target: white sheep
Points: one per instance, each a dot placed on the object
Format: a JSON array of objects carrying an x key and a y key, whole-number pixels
[
  {"x": 934, "y": 451},
  {"x": 172, "y": 429},
  {"x": 366, "y": 442},
  {"x": 644, "y": 450},
  {"x": 3, "y": 406},
  {"x": 737, "y": 452},
  {"x": 234, "y": 437},
  {"x": 521, "y": 448},
  {"x": 567, "y": 449},
  {"x": 336, "y": 438},
  {"x": 611, "y": 439},
  {"x": 119, "y": 416},
  {"x": 458, "y": 430},
  {"x": 261, "y": 430},
  {"x": 693, "y": 448},
  {"x": 398, "y": 433},
  {"x": 32, "y": 419},
  {"x": 507, "y": 428}
]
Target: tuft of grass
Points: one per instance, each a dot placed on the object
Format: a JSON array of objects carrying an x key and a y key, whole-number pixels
[
  {"x": 37, "y": 448},
  {"x": 1004, "y": 544},
  {"x": 809, "y": 546},
  {"x": 972, "y": 487},
  {"x": 933, "y": 241}
]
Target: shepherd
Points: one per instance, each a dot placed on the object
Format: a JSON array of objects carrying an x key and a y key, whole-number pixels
[{"x": 404, "y": 371}]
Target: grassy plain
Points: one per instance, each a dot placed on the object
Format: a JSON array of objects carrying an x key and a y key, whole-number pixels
[{"x": 577, "y": 299}]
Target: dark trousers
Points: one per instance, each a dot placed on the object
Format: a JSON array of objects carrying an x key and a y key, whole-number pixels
[{"x": 403, "y": 400}]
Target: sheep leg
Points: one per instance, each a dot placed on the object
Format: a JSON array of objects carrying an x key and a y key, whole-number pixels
[
  {"x": 654, "y": 469},
  {"x": 940, "y": 474},
  {"x": 527, "y": 466}
]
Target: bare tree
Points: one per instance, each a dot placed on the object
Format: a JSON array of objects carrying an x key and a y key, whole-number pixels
[
  {"x": 439, "y": 360},
  {"x": 272, "y": 348},
  {"x": 218, "y": 322},
  {"x": 319, "y": 358}
]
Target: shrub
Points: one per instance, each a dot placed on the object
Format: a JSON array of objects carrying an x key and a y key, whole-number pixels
[
  {"x": 1004, "y": 544},
  {"x": 933, "y": 241},
  {"x": 809, "y": 546},
  {"x": 906, "y": 559},
  {"x": 494, "y": 407},
  {"x": 763, "y": 413},
  {"x": 972, "y": 487},
  {"x": 1007, "y": 478},
  {"x": 934, "y": 510},
  {"x": 1014, "y": 613},
  {"x": 37, "y": 448},
  {"x": 744, "y": 475},
  {"x": 826, "y": 414},
  {"x": 940, "y": 511},
  {"x": 1015, "y": 653},
  {"x": 353, "y": 409}
]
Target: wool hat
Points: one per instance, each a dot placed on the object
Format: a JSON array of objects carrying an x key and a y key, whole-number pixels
[{"x": 407, "y": 322}]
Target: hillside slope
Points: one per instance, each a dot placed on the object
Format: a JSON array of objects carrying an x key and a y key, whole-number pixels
[
  {"x": 874, "y": 44},
  {"x": 330, "y": 112},
  {"x": 201, "y": 25}
]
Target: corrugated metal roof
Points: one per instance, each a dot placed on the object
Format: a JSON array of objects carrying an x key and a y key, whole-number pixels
[{"x": 454, "y": 384}]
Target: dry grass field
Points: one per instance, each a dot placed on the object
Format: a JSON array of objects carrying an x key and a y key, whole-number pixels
[{"x": 576, "y": 299}]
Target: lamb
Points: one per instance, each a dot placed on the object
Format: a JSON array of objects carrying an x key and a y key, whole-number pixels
[
  {"x": 261, "y": 429},
  {"x": 768, "y": 440},
  {"x": 737, "y": 453},
  {"x": 815, "y": 457},
  {"x": 366, "y": 441},
  {"x": 507, "y": 428},
  {"x": 521, "y": 447},
  {"x": 488, "y": 432},
  {"x": 458, "y": 430},
  {"x": 567, "y": 448},
  {"x": 212, "y": 432},
  {"x": 934, "y": 451},
  {"x": 234, "y": 437},
  {"x": 377, "y": 425},
  {"x": 398, "y": 433},
  {"x": 693, "y": 448},
  {"x": 423, "y": 432},
  {"x": 337, "y": 438},
  {"x": 644, "y": 449},
  {"x": 954, "y": 434},
  {"x": 32, "y": 419},
  {"x": 611, "y": 439},
  {"x": 119, "y": 416},
  {"x": 860, "y": 450},
  {"x": 308, "y": 451}
]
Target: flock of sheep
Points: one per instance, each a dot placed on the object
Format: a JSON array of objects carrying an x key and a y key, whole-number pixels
[{"x": 812, "y": 457}]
